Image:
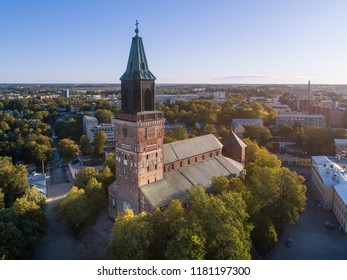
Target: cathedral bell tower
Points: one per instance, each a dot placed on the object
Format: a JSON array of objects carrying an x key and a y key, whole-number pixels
[{"x": 139, "y": 133}]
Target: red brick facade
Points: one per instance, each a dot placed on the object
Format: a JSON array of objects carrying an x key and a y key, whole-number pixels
[
  {"x": 191, "y": 160},
  {"x": 139, "y": 161}
]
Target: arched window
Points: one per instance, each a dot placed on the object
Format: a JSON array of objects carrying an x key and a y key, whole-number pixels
[{"x": 148, "y": 100}]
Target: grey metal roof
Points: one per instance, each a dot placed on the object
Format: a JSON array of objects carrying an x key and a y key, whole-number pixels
[
  {"x": 137, "y": 67},
  {"x": 176, "y": 183},
  {"x": 247, "y": 122},
  {"x": 188, "y": 148}
]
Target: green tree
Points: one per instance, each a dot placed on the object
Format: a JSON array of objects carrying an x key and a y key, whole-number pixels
[
  {"x": 264, "y": 234},
  {"x": 131, "y": 237},
  {"x": 73, "y": 208},
  {"x": 99, "y": 142},
  {"x": 84, "y": 176},
  {"x": 32, "y": 206},
  {"x": 180, "y": 133},
  {"x": 224, "y": 219},
  {"x": 285, "y": 131},
  {"x": 185, "y": 241},
  {"x": 106, "y": 177},
  {"x": 110, "y": 161},
  {"x": 86, "y": 148},
  {"x": 11, "y": 241},
  {"x": 18, "y": 235},
  {"x": 13, "y": 180},
  {"x": 210, "y": 129},
  {"x": 261, "y": 134},
  {"x": 96, "y": 198},
  {"x": 2, "y": 199},
  {"x": 275, "y": 193},
  {"x": 103, "y": 115},
  {"x": 170, "y": 116},
  {"x": 68, "y": 149}
]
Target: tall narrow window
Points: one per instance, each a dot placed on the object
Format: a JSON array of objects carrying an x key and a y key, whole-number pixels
[{"x": 148, "y": 102}]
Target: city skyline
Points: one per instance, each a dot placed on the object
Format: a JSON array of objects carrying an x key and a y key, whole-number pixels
[{"x": 211, "y": 42}]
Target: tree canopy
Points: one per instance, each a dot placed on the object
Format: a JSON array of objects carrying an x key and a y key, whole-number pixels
[
  {"x": 99, "y": 142},
  {"x": 68, "y": 149},
  {"x": 212, "y": 222}
]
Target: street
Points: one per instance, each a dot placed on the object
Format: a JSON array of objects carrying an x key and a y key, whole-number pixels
[
  {"x": 60, "y": 243},
  {"x": 311, "y": 239}
]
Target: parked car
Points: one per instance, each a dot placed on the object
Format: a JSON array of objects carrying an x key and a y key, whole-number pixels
[
  {"x": 289, "y": 243},
  {"x": 329, "y": 225}
]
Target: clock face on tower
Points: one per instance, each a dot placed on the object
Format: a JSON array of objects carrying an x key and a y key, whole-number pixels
[{"x": 125, "y": 131}]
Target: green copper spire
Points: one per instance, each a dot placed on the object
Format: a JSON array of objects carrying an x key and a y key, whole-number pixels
[{"x": 137, "y": 68}]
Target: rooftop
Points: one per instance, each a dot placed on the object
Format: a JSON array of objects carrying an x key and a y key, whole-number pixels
[
  {"x": 176, "y": 183},
  {"x": 90, "y": 118},
  {"x": 257, "y": 122},
  {"x": 332, "y": 175},
  {"x": 188, "y": 148}
]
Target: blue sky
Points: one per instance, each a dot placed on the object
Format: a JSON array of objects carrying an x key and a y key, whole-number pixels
[{"x": 231, "y": 41}]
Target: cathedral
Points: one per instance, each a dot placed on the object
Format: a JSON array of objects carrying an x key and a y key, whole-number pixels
[{"x": 149, "y": 173}]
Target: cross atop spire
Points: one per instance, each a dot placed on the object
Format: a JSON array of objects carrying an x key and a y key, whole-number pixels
[
  {"x": 137, "y": 67},
  {"x": 137, "y": 28}
]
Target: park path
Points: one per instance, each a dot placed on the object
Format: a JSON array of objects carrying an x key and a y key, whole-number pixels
[{"x": 60, "y": 243}]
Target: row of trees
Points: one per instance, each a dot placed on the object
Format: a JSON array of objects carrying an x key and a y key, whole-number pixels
[
  {"x": 22, "y": 219},
  {"x": 85, "y": 200},
  {"x": 68, "y": 148},
  {"x": 214, "y": 227},
  {"x": 313, "y": 140},
  {"x": 22, "y": 139},
  {"x": 274, "y": 195}
]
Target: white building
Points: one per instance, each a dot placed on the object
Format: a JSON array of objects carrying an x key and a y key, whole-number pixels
[
  {"x": 91, "y": 126},
  {"x": 65, "y": 93},
  {"x": 238, "y": 125},
  {"x": 89, "y": 122},
  {"x": 281, "y": 108},
  {"x": 108, "y": 129},
  {"x": 329, "y": 182}
]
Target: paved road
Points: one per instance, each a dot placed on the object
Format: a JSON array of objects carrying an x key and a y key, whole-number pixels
[
  {"x": 59, "y": 243},
  {"x": 311, "y": 240}
]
